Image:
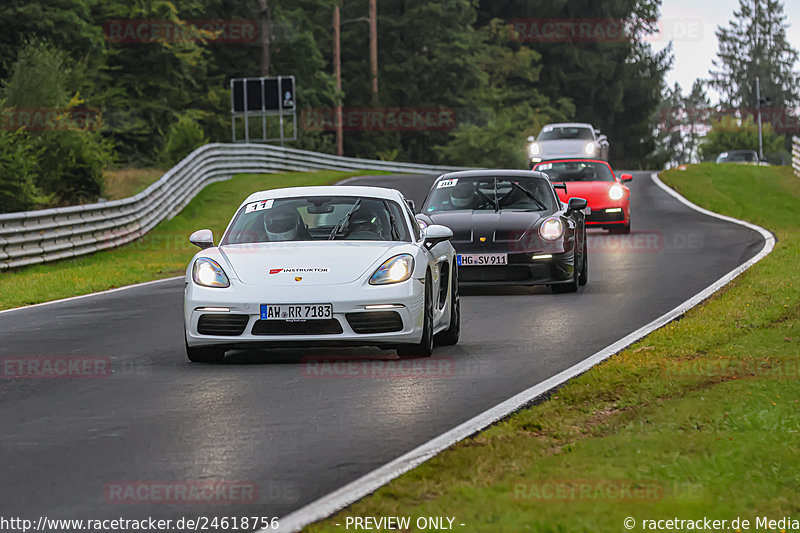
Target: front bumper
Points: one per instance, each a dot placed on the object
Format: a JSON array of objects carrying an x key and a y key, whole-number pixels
[
  {"x": 521, "y": 269},
  {"x": 617, "y": 214},
  {"x": 206, "y": 325}
]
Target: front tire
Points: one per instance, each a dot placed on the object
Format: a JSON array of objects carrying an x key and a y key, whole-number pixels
[
  {"x": 204, "y": 354},
  {"x": 583, "y": 279},
  {"x": 425, "y": 346},
  {"x": 571, "y": 286},
  {"x": 450, "y": 336}
]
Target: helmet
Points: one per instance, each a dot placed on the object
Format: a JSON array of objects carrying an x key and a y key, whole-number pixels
[
  {"x": 281, "y": 224},
  {"x": 364, "y": 219},
  {"x": 461, "y": 195}
]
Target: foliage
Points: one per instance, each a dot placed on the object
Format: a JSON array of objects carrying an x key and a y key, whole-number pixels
[
  {"x": 755, "y": 45},
  {"x": 182, "y": 138},
  {"x": 729, "y": 133},
  {"x": 18, "y": 190},
  {"x": 69, "y": 156}
]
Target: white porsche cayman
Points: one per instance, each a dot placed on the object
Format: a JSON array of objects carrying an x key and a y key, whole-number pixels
[{"x": 322, "y": 266}]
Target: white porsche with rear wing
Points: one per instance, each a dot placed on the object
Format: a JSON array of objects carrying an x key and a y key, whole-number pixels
[{"x": 322, "y": 266}]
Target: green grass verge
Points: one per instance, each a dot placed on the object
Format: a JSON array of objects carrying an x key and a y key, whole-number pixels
[
  {"x": 162, "y": 253},
  {"x": 699, "y": 419}
]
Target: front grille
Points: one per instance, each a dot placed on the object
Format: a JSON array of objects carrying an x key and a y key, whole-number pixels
[
  {"x": 603, "y": 216},
  {"x": 328, "y": 326},
  {"x": 495, "y": 273},
  {"x": 375, "y": 321},
  {"x": 224, "y": 324}
]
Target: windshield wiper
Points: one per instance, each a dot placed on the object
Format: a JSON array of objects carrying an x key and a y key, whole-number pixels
[
  {"x": 530, "y": 195},
  {"x": 392, "y": 221},
  {"x": 340, "y": 225}
]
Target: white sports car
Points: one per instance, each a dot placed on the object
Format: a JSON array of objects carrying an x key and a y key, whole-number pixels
[{"x": 322, "y": 266}]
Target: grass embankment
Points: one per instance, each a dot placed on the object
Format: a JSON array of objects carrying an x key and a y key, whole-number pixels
[
  {"x": 699, "y": 419},
  {"x": 161, "y": 253},
  {"x": 125, "y": 182}
]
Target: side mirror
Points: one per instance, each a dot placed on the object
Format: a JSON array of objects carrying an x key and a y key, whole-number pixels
[
  {"x": 576, "y": 204},
  {"x": 435, "y": 233},
  {"x": 531, "y": 138},
  {"x": 202, "y": 238},
  {"x": 411, "y": 205},
  {"x": 626, "y": 177},
  {"x": 602, "y": 138}
]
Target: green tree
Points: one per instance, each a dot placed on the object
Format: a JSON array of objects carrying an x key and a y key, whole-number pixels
[
  {"x": 509, "y": 101},
  {"x": 18, "y": 191},
  {"x": 729, "y": 133},
  {"x": 755, "y": 45}
]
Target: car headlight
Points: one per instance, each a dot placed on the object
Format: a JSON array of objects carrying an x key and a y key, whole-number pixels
[
  {"x": 398, "y": 268},
  {"x": 534, "y": 149},
  {"x": 551, "y": 229},
  {"x": 208, "y": 273},
  {"x": 615, "y": 192},
  {"x": 589, "y": 148}
]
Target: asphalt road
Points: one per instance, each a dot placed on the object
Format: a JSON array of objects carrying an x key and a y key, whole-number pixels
[{"x": 295, "y": 428}]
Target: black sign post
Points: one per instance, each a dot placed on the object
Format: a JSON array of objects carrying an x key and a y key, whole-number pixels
[{"x": 262, "y": 98}]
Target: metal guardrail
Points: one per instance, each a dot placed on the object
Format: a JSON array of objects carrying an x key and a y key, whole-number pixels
[
  {"x": 796, "y": 155},
  {"x": 32, "y": 237}
]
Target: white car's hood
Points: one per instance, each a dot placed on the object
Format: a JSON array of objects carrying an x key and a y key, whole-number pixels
[{"x": 317, "y": 263}]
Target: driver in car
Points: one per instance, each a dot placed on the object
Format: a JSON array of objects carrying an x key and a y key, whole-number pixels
[
  {"x": 365, "y": 223},
  {"x": 284, "y": 224}
]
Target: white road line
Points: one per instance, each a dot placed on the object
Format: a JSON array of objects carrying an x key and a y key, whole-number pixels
[
  {"x": 90, "y": 295},
  {"x": 352, "y": 492}
]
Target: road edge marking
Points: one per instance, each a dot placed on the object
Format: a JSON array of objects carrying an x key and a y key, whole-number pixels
[
  {"x": 90, "y": 295},
  {"x": 369, "y": 483}
]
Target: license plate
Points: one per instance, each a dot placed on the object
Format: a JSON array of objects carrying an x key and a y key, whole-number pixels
[
  {"x": 296, "y": 311},
  {"x": 482, "y": 259}
]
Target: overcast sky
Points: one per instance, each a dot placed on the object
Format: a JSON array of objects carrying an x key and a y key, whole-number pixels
[{"x": 691, "y": 24}]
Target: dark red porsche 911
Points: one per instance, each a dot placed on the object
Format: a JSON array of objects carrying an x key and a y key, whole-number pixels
[{"x": 608, "y": 196}]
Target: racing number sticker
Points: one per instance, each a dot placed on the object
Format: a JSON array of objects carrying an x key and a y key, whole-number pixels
[
  {"x": 259, "y": 206},
  {"x": 447, "y": 183}
]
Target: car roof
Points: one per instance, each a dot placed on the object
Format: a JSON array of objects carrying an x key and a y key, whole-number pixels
[
  {"x": 493, "y": 173},
  {"x": 569, "y": 125},
  {"x": 327, "y": 190},
  {"x": 572, "y": 159}
]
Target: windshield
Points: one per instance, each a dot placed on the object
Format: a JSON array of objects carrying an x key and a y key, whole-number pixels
[
  {"x": 550, "y": 133},
  {"x": 490, "y": 193},
  {"x": 739, "y": 157},
  {"x": 318, "y": 218},
  {"x": 576, "y": 171}
]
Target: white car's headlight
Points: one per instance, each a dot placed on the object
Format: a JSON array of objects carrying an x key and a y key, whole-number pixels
[
  {"x": 534, "y": 149},
  {"x": 615, "y": 192},
  {"x": 589, "y": 148},
  {"x": 208, "y": 273},
  {"x": 398, "y": 268},
  {"x": 551, "y": 229}
]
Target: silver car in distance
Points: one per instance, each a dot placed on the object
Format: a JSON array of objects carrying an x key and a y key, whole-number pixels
[
  {"x": 322, "y": 266},
  {"x": 572, "y": 139}
]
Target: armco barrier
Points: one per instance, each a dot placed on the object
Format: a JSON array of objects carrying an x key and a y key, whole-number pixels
[
  {"x": 39, "y": 236},
  {"x": 796, "y": 155}
]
